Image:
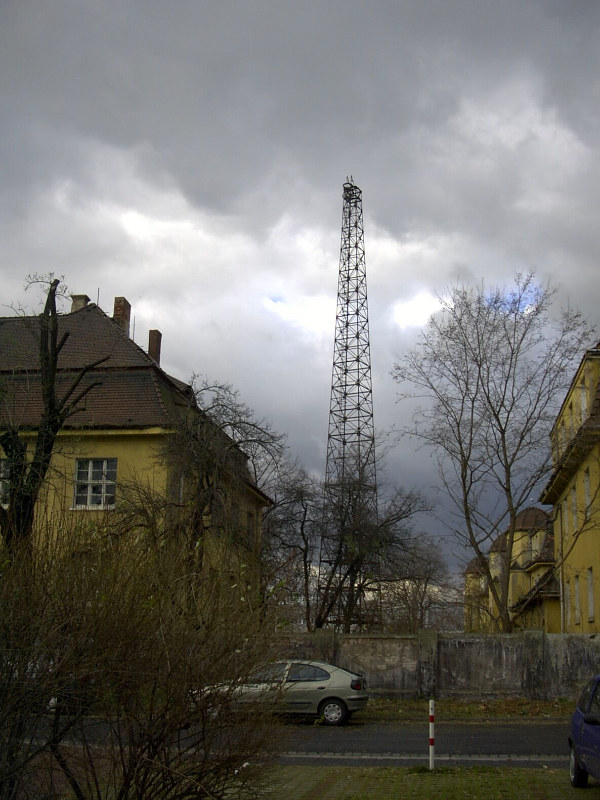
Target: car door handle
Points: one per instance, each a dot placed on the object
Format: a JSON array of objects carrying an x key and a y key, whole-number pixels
[{"x": 320, "y": 688}]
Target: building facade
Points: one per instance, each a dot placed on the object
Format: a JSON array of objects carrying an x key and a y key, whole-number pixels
[
  {"x": 533, "y": 592},
  {"x": 136, "y": 436},
  {"x": 573, "y": 493}
]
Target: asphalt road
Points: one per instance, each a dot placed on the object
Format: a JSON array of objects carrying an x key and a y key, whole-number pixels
[{"x": 528, "y": 743}]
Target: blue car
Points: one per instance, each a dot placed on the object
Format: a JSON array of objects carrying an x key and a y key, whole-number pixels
[{"x": 584, "y": 736}]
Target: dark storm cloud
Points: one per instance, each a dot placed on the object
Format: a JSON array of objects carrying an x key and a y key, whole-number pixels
[{"x": 190, "y": 156}]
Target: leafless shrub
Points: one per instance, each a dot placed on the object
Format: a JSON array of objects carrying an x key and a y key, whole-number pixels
[{"x": 119, "y": 662}]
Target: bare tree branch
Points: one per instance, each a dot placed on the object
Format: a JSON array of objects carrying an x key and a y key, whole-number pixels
[{"x": 492, "y": 367}]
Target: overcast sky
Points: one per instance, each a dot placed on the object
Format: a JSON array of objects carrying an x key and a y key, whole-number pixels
[{"x": 190, "y": 156}]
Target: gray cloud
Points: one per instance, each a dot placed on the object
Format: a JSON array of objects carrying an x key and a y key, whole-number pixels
[{"x": 191, "y": 156}]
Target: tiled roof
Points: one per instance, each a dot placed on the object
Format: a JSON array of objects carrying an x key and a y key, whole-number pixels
[
  {"x": 136, "y": 398},
  {"x": 132, "y": 390},
  {"x": 91, "y": 334},
  {"x": 531, "y": 519}
]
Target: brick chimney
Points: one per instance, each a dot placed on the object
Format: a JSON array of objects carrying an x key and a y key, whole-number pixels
[
  {"x": 79, "y": 301},
  {"x": 122, "y": 313},
  {"x": 154, "y": 342}
]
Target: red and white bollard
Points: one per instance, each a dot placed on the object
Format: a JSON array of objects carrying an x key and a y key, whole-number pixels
[{"x": 431, "y": 734}]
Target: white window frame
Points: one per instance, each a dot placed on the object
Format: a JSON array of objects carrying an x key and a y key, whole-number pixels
[
  {"x": 577, "y": 602},
  {"x": 96, "y": 478},
  {"x": 574, "y": 515},
  {"x": 590, "y": 593}
]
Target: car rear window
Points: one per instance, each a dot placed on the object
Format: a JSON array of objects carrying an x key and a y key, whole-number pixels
[{"x": 306, "y": 672}]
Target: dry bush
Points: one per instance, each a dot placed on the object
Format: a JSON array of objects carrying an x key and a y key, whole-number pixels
[{"x": 137, "y": 655}]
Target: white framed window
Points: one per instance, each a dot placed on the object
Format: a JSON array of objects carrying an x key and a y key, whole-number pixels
[
  {"x": 568, "y": 604},
  {"x": 574, "y": 508},
  {"x": 590, "y": 593},
  {"x": 95, "y": 482},
  {"x": 577, "y": 601},
  {"x": 4, "y": 476}
]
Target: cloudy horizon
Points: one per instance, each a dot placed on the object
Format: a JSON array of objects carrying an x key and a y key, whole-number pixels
[{"x": 190, "y": 156}]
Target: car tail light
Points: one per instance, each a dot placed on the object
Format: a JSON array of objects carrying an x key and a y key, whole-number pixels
[{"x": 358, "y": 683}]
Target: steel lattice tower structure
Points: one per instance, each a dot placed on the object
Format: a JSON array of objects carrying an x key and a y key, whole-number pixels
[
  {"x": 351, "y": 437},
  {"x": 350, "y": 472}
]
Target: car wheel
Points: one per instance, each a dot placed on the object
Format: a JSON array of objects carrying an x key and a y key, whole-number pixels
[
  {"x": 577, "y": 775},
  {"x": 333, "y": 712}
]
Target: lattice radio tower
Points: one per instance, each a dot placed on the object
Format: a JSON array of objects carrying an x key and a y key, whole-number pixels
[{"x": 350, "y": 473}]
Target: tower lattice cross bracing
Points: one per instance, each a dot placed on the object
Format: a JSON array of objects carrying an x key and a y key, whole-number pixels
[
  {"x": 351, "y": 440},
  {"x": 348, "y": 561}
]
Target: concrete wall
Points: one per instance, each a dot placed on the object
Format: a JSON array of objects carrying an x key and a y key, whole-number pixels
[{"x": 529, "y": 664}]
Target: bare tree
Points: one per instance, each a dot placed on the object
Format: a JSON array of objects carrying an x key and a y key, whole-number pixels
[
  {"x": 492, "y": 368},
  {"x": 221, "y": 458},
  {"x": 359, "y": 539},
  {"x": 418, "y": 593},
  {"x": 290, "y": 542},
  {"x": 58, "y": 404},
  {"x": 117, "y": 627},
  {"x": 35, "y": 665},
  {"x": 324, "y": 548},
  {"x": 263, "y": 447},
  {"x": 119, "y": 663}
]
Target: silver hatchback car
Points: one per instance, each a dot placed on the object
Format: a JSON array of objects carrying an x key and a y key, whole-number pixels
[{"x": 310, "y": 688}]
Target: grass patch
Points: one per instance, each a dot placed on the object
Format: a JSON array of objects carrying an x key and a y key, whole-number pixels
[
  {"x": 396, "y": 709},
  {"x": 412, "y": 783}
]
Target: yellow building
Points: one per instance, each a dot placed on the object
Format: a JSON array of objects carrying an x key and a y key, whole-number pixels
[
  {"x": 477, "y": 618},
  {"x": 533, "y": 596},
  {"x": 131, "y": 435},
  {"x": 573, "y": 492}
]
